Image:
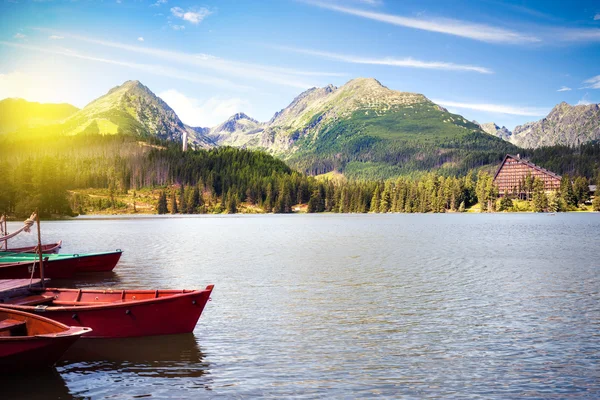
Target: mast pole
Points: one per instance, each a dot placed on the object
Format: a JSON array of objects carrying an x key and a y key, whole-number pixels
[
  {"x": 6, "y": 233},
  {"x": 37, "y": 218}
]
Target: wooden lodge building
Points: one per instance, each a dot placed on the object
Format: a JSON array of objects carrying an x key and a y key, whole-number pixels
[{"x": 511, "y": 175}]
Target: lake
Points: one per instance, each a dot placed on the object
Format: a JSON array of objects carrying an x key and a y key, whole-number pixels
[{"x": 346, "y": 306}]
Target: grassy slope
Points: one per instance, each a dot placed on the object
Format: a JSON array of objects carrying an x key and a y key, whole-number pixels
[{"x": 403, "y": 141}]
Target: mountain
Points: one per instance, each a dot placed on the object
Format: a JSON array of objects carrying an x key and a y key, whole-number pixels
[
  {"x": 565, "y": 125},
  {"x": 132, "y": 109},
  {"x": 17, "y": 114},
  {"x": 233, "y": 131},
  {"x": 493, "y": 129},
  {"x": 364, "y": 129}
]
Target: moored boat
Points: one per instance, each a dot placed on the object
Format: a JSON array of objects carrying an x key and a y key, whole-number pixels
[
  {"x": 118, "y": 313},
  {"x": 84, "y": 262},
  {"x": 48, "y": 248},
  {"x": 98, "y": 262},
  {"x": 30, "y": 341},
  {"x": 65, "y": 268}
]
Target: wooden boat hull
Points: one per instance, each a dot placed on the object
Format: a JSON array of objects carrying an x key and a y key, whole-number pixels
[
  {"x": 49, "y": 248},
  {"x": 99, "y": 262},
  {"x": 121, "y": 314},
  {"x": 58, "y": 266},
  {"x": 54, "y": 269},
  {"x": 43, "y": 345}
]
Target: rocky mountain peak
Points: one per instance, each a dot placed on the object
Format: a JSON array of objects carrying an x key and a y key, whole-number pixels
[
  {"x": 240, "y": 116},
  {"x": 364, "y": 83},
  {"x": 565, "y": 125},
  {"x": 495, "y": 130}
]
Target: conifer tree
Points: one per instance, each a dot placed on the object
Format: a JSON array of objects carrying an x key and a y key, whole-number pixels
[
  {"x": 375, "y": 200},
  {"x": 182, "y": 204},
  {"x": 162, "y": 203},
  {"x": 540, "y": 200},
  {"x": 174, "y": 209}
]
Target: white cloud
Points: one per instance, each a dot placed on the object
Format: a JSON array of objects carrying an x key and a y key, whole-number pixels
[
  {"x": 593, "y": 83},
  {"x": 55, "y": 37},
  {"x": 481, "y": 32},
  {"x": 206, "y": 113},
  {"x": 194, "y": 16},
  {"x": 276, "y": 75},
  {"x": 149, "y": 68},
  {"x": 178, "y": 27},
  {"x": 564, "y": 89},
  {"x": 495, "y": 108},
  {"x": 158, "y": 3},
  {"x": 140, "y": 39},
  {"x": 597, "y": 17},
  {"x": 370, "y": 2},
  {"x": 579, "y": 35},
  {"x": 583, "y": 102},
  {"x": 394, "y": 62},
  {"x": 19, "y": 36}
]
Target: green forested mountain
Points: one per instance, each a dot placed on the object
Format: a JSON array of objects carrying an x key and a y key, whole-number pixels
[
  {"x": 18, "y": 114},
  {"x": 129, "y": 109},
  {"x": 134, "y": 110},
  {"x": 394, "y": 152},
  {"x": 366, "y": 130}
]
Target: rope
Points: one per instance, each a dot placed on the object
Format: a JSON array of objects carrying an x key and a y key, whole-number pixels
[
  {"x": 32, "y": 272},
  {"x": 28, "y": 223}
]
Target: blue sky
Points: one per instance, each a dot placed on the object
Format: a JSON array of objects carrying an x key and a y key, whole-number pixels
[{"x": 490, "y": 60}]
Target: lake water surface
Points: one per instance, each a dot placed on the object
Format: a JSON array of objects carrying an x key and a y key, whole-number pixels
[{"x": 330, "y": 306}]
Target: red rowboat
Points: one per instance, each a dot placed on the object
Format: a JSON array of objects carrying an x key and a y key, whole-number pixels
[
  {"x": 46, "y": 248},
  {"x": 30, "y": 341},
  {"x": 98, "y": 262},
  {"x": 57, "y": 266},
  {"x": 65, "y": 268},
  {"x": 118, "y": 313}
]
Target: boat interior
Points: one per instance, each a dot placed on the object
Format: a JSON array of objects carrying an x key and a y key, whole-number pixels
[
  {"x": 79, "y": 297},
  {"x": 14, "y": 324}
]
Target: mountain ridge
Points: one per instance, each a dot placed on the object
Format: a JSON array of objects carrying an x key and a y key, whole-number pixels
[
  {"x": 565, "y": 125},
  {"x": 17, "y": 114}
]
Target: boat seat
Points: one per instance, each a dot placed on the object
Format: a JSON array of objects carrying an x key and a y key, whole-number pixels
[
  {"x": 30, "y": 300},
  {"x": 84, "y": 303},
  {"x": 9, "y": 324}
]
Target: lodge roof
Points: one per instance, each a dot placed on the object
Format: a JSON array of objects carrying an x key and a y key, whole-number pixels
[{"x": 529, "y": 164}]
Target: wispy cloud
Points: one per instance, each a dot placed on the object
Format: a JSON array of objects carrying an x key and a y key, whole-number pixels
[
  {"x": 597, "y": 17},
  {"x": 276, "y": 75},
  {"x": 495, "y": 108},
  {"x": 158, "y": 3},
  {"x": 202, "y": 113},
  {"x": 149, "y": 68},
  {"x": 177, "y": 27},
  {"x": 407, "y": 62},
  {"x": 140, "y": 39},
  {"x": 19, "y": 36},
  {"x": 564, "y": 89},
  {"x": 577, "y": 35},
  {"x": 55, "y": 37},
  {"x": 592, "y": 83},
  {"x": 194, "y": 16},
  {"x": 481, "y": 32}
]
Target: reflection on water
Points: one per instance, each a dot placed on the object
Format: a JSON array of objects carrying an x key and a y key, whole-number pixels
[
  {"x": 41, "y": 385},
  {"x": 160, "y": 363},
  {"x": 161, "y": 356},
  {"x": 346, "y": 306}
]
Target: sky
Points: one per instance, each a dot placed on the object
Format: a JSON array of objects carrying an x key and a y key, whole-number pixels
[{"x": 508, "y": 62}]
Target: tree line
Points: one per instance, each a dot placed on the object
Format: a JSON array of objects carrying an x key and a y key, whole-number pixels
[{"x": 40, "y": 175}]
